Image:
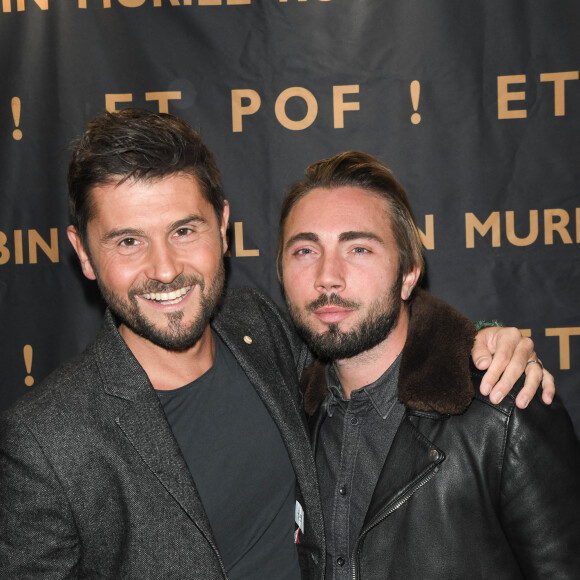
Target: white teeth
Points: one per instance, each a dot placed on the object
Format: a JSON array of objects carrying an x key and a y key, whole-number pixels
[{"x": 168, "y": 297}]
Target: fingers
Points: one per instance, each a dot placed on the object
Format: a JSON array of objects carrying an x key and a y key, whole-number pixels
[
  {"x": 548, "y": 387},
  {"x": 534, "y": 376},
  {"x": 493, "y": 350},
  {"x": 509, "y": 362},
  {"x": 484, "y": 346},
  {"x": 529, "y": 389},
  {"x": 505, "y": 353}
]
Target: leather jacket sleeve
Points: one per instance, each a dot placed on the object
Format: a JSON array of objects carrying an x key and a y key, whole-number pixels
[{"x": 540, "y": 491}]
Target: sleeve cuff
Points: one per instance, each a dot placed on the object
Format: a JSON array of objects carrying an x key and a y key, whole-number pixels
[{"x": 479, "y": 324}]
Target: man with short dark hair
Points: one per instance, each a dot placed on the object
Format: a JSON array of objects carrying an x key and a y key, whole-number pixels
[
  {"x": 420, "y": 476},
  {"x": 171, "y": 448},
  {"x": 175, "y": 446}
]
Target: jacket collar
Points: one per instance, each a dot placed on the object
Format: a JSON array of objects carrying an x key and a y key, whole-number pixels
[
  {"x": 140, "y": 417},
  {"x": 434, "y": 374},
  {"x": 120, "y": 371}
]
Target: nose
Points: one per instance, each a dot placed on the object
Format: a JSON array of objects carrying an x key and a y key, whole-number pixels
[
  {"x": 330, "y": 274},
  {"x": 164, "y": 264}
]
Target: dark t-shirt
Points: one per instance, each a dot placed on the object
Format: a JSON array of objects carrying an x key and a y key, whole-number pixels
[{"x": 241, "y": 469}]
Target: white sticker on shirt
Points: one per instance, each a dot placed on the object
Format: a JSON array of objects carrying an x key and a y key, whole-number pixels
[{"x": 299, "y": 516}]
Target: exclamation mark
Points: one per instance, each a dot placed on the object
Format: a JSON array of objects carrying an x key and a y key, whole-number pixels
[
  {"x": 27, "y": 351},
  {"x": 415, "y": 92},
  {"x": 16, "y": 107}
]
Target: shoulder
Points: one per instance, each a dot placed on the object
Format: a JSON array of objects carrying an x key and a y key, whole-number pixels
[
  {"x": 513, "y": 438},
  {"x": 245, "y": 301},
  {"x": 538, "y": 426},
  {"x": 58, "y": 389},
  {"x": 507, "y": 406},
  {"x": 248, "y": 311},
  {"x": 74, "y": 392},
  {"x": 51, "y": 413},
  {"x": 249, "y": 308},
  {"x": 474, "y": 418}
]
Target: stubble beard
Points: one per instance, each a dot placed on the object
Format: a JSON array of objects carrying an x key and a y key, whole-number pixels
[
  {"x": 177, "y": 336},
  {"x": 334, "y": 344}
]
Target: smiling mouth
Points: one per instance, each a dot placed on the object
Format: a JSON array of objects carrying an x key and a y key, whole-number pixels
[{"x": 168, "y": 298}]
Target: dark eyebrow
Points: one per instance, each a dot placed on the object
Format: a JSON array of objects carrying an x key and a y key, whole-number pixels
[
  {"x": 132, "y": 232},
  {"x": 194, "y": 218},
  {"x": 302, "y": 237},
  {"x": 349, "y": 236}
]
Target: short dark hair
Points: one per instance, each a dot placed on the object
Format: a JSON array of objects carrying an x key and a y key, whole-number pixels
[
  {"x": 141, "y": 145},
  {"x": 353, "y": 168}
]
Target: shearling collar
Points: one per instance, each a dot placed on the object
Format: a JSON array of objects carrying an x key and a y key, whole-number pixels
[{"x": 434, "y": 374}]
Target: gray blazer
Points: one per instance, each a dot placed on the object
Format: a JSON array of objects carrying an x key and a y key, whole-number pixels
[{"x": 93, "y": 484}]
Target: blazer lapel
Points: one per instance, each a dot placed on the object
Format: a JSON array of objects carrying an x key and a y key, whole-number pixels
[
  {"x": 277, "y": 390},
  {"x": 144, "y": 424},
  {"x": 146, "y": 428},
  {"x": 262, "y": 362}
]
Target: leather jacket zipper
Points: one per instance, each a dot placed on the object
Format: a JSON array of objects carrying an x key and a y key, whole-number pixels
[{"x": 383, "y": 516}]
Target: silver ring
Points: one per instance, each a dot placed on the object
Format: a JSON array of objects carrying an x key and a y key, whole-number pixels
[{"x": 536, "y": 362}]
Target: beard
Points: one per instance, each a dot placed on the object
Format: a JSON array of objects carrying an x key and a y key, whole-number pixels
[
  {"x": 334, "y": 344},
  {"x": 178, "y": 336}
]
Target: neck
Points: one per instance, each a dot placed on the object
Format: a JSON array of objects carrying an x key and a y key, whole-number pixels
[
  {"x": 366, "y": 367},
  {"x": 169, "y": 369}
]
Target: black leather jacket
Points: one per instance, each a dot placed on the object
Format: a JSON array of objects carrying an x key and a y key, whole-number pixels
[{"x": 469, "y": 489}]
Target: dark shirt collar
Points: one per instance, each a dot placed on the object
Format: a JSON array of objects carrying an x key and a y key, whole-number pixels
[{"x": 382, "y": 393}]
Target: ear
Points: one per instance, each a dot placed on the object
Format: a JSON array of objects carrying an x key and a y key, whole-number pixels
[
  {"x": 224, "y": 225},
  {"x": 86, "y": 265},
  {"x": 409, "y": 282}
]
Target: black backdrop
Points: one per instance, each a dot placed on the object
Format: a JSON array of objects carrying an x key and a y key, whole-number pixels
[{"x": 475, "y": 106}]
